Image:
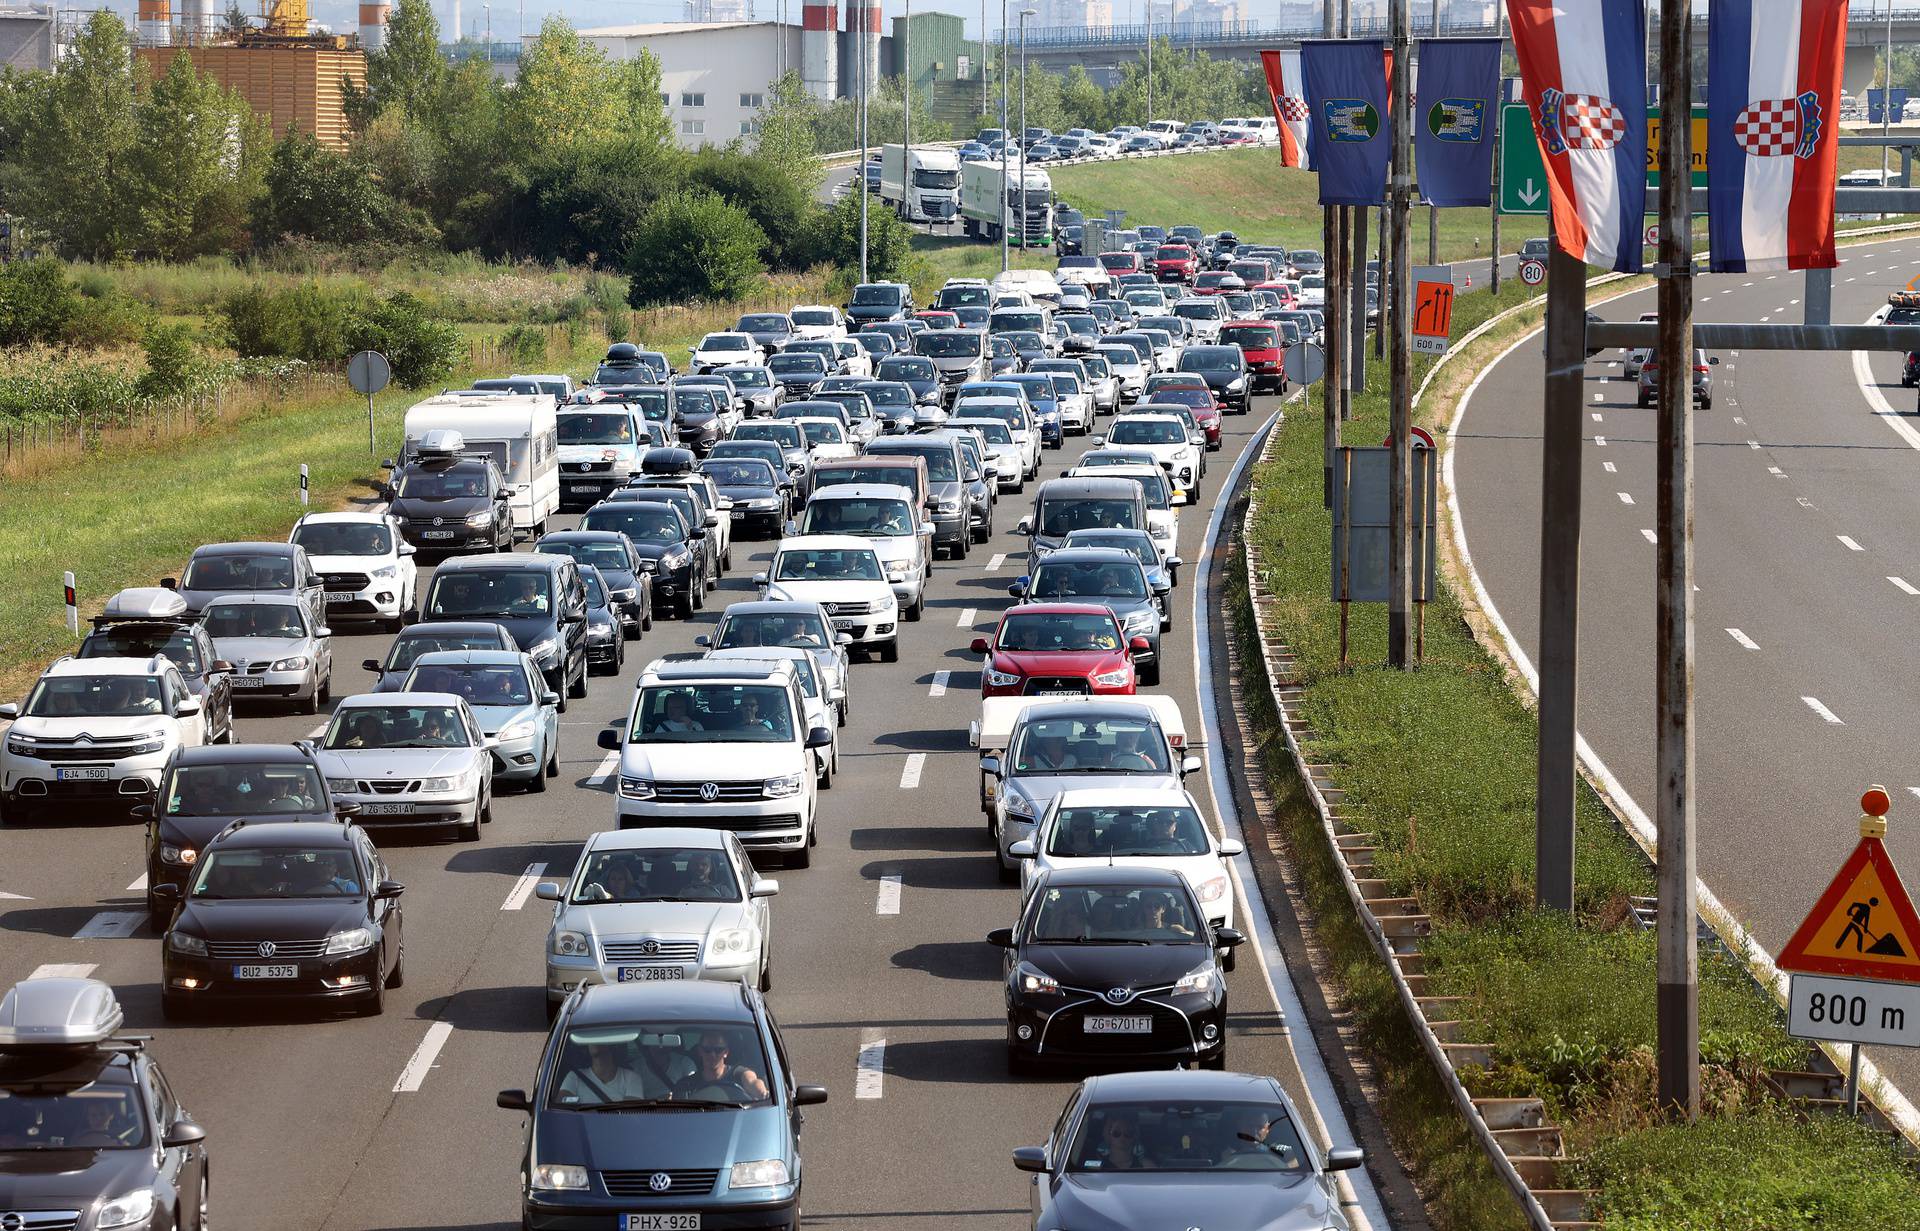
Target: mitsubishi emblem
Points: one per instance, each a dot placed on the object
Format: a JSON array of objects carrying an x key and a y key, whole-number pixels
[
  {"x": 659, "y": 1181},
  {"x": 267, "y": 948},
  {"x": 709, "y": 791}
]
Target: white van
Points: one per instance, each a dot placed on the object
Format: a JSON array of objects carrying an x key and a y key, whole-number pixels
[{"x": 518, "y": 431}]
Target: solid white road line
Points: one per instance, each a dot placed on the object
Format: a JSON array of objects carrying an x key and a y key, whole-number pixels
[
  {"x": 1813, "y": 703},
  {"x": 968, "y": 616},
  {"x": 63, "y": 970},
  {"x": 421, "y": 1062},
  {"x": 523, "y": 888},
  {"x": 1609, "y": 467},
  {"x": 910, "y": 772},
  {"x": 1850, "y": 544},
  {"x": 604, "y": 770},
  {"x": 139, "y": 885},
  {"x": 320, "y": 730},
  {"x": 1650, "y": 536},
  {"x": 996, "y": 562},
  {"x": 1898, "y": 581},
  {"x": 111, "y": 925},
  {"x": 888, "y": 900},
  {"x": 870, "y": 1073},
  {"x": 1625, "y": 497},
  {"x": 1744, "y": 640},
  {"x": 939, "y": 686}
]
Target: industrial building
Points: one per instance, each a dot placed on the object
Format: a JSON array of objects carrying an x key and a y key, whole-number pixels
[{"x": 27, "y": 37}]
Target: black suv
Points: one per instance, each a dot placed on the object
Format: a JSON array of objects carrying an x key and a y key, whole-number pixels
[
  {"x": 672, "y": 553},
  {"x": 149, "y": 620},
  {"x": 539, "y": 599},
  {"x": 451, "y": 504}
]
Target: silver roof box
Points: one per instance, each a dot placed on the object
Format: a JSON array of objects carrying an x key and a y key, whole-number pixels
[
  {"x": 441, "y": 442},
  {"x": 145, "y": 603},
  {"x": 54, "y": 1013}
]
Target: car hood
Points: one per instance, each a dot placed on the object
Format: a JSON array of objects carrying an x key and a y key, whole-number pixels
[
  {"x": 741, "y": 494},
  {"x": 831, "y": 592},
  {"x": 1058, "y": 662},
  {"x": 243, "y": 650},
  {"x": 452, "y": 508},
  {"x": 392, "y": 762},
  {"x": 1099, "y": 967},
  {"x": 197, "y": 831},
  {"x": 655, "y": 918},
  {"x": 572, "y": 455},
  {"x": 661, "y": 1140},
  {"x": 349, "y": 564},
  {"x": 494, "y": 718},
  {"x": 617, "y": 578},
  {"x": 69, "y": 1179},
  {"x": 1217, "y": 1201},
  {"x": 270, "y": 918},
  {"x": 1039, "y": 789},
  {"x": 720, "y": 761}
]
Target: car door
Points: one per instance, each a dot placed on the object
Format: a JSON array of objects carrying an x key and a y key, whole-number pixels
[
  {"x": 385, "y": 912},
  {"x": 218, "y": 703},
  {"x": 311, "y": 588},
  {"x": 549, "y": 714},
  {"x": 180, "y": 1166}
]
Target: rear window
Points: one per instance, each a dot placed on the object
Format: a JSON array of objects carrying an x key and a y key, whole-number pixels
[{"x": 1256, "y": 336}]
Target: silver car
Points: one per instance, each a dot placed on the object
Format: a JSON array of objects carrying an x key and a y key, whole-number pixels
[
  {"x": 278, "y": 651},
  {"x": 411, "y": 760},
  {"x": 657, "y": 906},
  {"x": 789, "y": 622},
  {"x": 822, "y": 705},
  {"x": 519, "y": 715}
]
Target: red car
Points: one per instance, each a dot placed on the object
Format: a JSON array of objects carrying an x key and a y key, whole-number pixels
[
  {"x": 1283, "y": 289},
  {"x": 1057, "y": 649},
  {"x": 938, "y": 318},
  {"x": 1192, "y": 394},
  {"x": 1175, "y": 263},
  {"x": 1259, "y": 341},
  {"x": 1118, "y": 263}
]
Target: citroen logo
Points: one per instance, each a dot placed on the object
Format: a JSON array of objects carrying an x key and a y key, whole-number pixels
[
  {"x": 267, "y": 948},
  {"x": 709, "y": 791},
  {"x": 659, "y": 1181},
  {"x": 1119, "y": 995},
  {"x": 649, "y": 947},
  {"x": 82, "y": 738}
]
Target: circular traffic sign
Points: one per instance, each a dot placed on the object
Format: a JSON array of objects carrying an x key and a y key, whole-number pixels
[
  {"x": 1422, "y": 439},
  {"x": 1305, "y": 363},
  {"x": 1653, "y": 234},
  {"x": 1533, "y": 272},
  {"x": 368, "y": 372}
]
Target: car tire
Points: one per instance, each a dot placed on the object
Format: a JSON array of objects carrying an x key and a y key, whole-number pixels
[
  {"x": 802, "y": 858},
  {"x": 1150, "y": 674},
  {"x": 553, "y": 762},
  {"x": 726, "y": 559},
  {"x": 202, "y": 1213},
  {"x": 964, "y": 547},
  {"x": 1216, "y": 1062},
  {"x": 698, "y": 596},
  {"x": 560, "y": 707},
  {"x": 918, "y": 608},
  {"x": 375, "y": 1004},
  {"x": 470, "y": 832},
  {"x": 537, "y": 784},
  {"x": 890, "y": 652},
  {"x": 1008, "y": 875},
  {"x": 580, "y": 689},
  {"x": 840, "y": 719},
  {"x": 397, "y": 977},
  {"x": 312, "y": 703},
  {"x": 824, "y": 775},
  {"x": 1706, "y": 404},
  {"x": 984, "y": 533}
]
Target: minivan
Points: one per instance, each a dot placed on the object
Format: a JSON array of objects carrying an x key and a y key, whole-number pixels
[
  {"x": 540, "y": 600},
  {"x": 1062, "y": 506}
]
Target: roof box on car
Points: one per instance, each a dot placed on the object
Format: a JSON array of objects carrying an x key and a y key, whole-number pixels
[{"x": 58, "y": 1013}]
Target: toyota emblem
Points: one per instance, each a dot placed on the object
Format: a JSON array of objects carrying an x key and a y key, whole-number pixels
[
  {"x": 268, "y": 948},
  {"x": 11, "y": 1221},
  {"x": 1119, "y": 995},
  {"x": 659, "y": 1181},
  {"x": 709, "y": 791},
  {"x": 649, "y": 947}
]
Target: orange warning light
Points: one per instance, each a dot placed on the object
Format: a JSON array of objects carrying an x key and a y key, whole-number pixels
[{"x": 1875, "y": 802}]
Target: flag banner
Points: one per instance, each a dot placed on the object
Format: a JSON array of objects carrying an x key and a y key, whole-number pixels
[
  {"x": 1459, "y": 80},
  {"x": 1583, "y": 70},
  {"x": 1347, "y": 134},
  {"x": 1289, "y": 105},
  {"x": 1773, "y": 110}
]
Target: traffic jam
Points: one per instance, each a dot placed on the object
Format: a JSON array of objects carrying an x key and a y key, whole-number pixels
[{"x": 624, "y": 647}]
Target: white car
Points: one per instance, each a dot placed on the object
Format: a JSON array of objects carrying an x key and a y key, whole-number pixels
[
  {"x": 719, "y": 350},
  {"x": 844, "y": 575},
  {"x": 1005, "y": 454},
  {"x": 411, "y": 760},
  {"x": 658, "y": 906},
  {"x": 853, "y": 358},
  {"x": 1102, "y": 382},
  {"x": 1164, "y": 436},
  {"x": 93, "y": 736},
  {"x": 366, "y": 564},
  {"x": 1144, "y": 826},
  {"x": 1127, "y": 369},
  {"x": 818, "y": 321},
  {"x": 1073, "y": 395},
  {"x": 823, "y": 704},
  {"x": 1204, "y": 314},
  {"x": 1010, "y": 408},
  {"x": 827, "y": 439},
  {"x": 1313, "y": 291},
  {"x": 881, "y": 515}
]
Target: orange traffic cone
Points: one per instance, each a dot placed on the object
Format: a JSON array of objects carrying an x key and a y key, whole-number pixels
[{"x": 1469, "y": 281}]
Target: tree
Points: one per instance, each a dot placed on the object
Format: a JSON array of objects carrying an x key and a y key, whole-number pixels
[
  {"x": 781, "y": 205},
  {"x": 785, "y": 137},
  {"x": 889, "y": 242},
  {"x": 643, "y": 107},
  {"x": 318, "y": 192},
  {"x": 73, "y": 154},
  {"x": 693, "y": 246},
  {"x": 406, "y": 73},
  {"x": 37, "y": 301},
  {"x": 565, "y": 93},
  {"x": 1083, "y": 104},
  {"x": 194, "y": 164},
  {"x": 422, "y": 349}
]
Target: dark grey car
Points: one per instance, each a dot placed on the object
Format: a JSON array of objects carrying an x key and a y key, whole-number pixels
[{"x": 947, "y": 497}]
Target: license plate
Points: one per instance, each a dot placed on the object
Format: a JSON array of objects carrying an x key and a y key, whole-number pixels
[
  {"x": 841, "y": 626},
  {"x": 384, "y": 809},
  {"x": 1118, "y": 1025},
  {"x": 288, "y": 971},
  {"x": 583, "y": 487},
  {"x": 247, "y": 681},
  {"x": 650, "y": 974},
  {"x": 1058, "y": 692},
  {"x": 436, "y": 534},
  {"x": 659, "y": 1222},
  {"x": 83, "y": 773}
]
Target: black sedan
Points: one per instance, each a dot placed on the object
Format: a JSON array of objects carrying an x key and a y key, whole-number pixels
[
  {"x": 758, "y": 496},
  {"x": 430, "y": 638},
  {"x": 672, "y": 553},
  {"x": 1224, "y": 1151},
  {"x": 914, "y": 371},
  {"x": 1114, "y": 964},
  {"x": 606, "y": 648},
  {"x": 281, "y": 910},
  {"x": 799, "y": 372},
  {"x": 629, "y": 585},
  {"x": 790, "y": 464}
]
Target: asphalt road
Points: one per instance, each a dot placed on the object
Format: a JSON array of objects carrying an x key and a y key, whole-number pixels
[
  {"x": 322, "y": 1122},
  {"x": 1805, "y": 499}
]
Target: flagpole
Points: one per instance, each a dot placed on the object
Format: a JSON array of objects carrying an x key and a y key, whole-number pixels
[
  {"x": 1352, "y": 242},
  {"x": 1433, "y": 211},
  {"x": 1499, "y": 109},
  {"x": 1331, "y": 383},
  {"x": 1400, "y": 369}
]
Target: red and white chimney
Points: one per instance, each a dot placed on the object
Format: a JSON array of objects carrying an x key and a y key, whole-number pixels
[
  {"x": 819, "y": 51},
  {"x": 373, "y": 25},
  {"x": 863, "y": 38}
]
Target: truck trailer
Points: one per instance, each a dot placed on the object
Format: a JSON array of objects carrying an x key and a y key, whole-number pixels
[{"x": 983, "y": 187}]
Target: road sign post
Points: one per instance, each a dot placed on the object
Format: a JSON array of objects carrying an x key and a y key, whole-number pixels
[
  {"x": 303, "y": 485},
  {"x": 73, "y": 604},
  {"x": 369, "y": 372}
]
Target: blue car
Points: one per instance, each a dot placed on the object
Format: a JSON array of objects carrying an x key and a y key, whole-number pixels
[
  {"x": 662, "y": 1104},
  {"x": 519, "y": 715},
  {"x": 1046, "y": 404}
]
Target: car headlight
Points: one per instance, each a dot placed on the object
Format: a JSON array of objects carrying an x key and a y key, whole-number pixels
[
  {"x": 571, "y": 944},
  {"x": 622, "y": 596},
  {"x": 677, "y": 558},
  {"x": 897, "y": 571},
  {"x": 480, "y": 521},
  {"x": 559, "y": 1177},
  {"x": 439, "y": 784},
  {"x": 182, "y": 942},
  {"x": 169, "y": 853},
  {"x": 342, "y": 786},
  {"x": 387, "y": 572},
  {"x": 135, "y": 1207},
  {"x": 1213, "y": 890},
  {"x": 1199, "y": 979},
  {"x": 1020, "y": 805},
  {"x": 760, "y": 1173},
  {"x": 1001, "y": 679},
  {"x": 353, "y": 940},
  {"x": 733, "y": 940},
  {"x": 1112, "y": 679},
  {"x": 297, "y": 663},
  {"x": 517, "y": 730},
  {"x": 948, "y": 507},
  {"x": 777, "y": 788},
  {"x": 635, "y": 788},
  {"x": 545, "y": 651},
  {"x": 1033, "y": 980},
  {"x": 1143, "y": 620}
]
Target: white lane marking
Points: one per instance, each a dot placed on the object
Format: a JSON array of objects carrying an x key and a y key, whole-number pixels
[
  {"x": 968, "y": 616},
  {"x": 888, "y": 900},
  {"x": 320, "y": 730},
  {"x": 523, "y": 888},
  {"x": 1753, "y": 444},
  {"x": 1598, "y": 396},
  {"x": 111, "y": 925},
  {"x": 1739, "y": 420},
  {"x": 1744, "y": 284},
  {"x": 1767, "y": 316},
  {"x": 870, "y": 1073},
  {"x": 1745, "y": 641},
  {"x": 1863, "y": 377},
  {"x": 421, "y": 1062},
  {"x": 1625, "y": 497},
  {"x": 14, "y": 897},
  {"x": 604, "y": 770},
  {"x": 1650, "y": 536},
  {"x": 1609, "y": 467},
  {"x": 1792, "y": 302},
  {"x": 939, "y": 686},
  {"x": 1902, "y": 583},
  {"x": 1804, "y": 502},
  {"x": 1849, "y": 543},
  {"x": 139, "y": 885},
  {"x": 63, "y": 970},
  {"x": 996, "y": 562},
  {"x": 910, "y": 772},
  {"x": 1914, "y": 789},
  {"x": 1596, "y": 417},
  {"x": 1813, "y": 703},
  {"x": 1777, "y": 472},
  {"x": 1601, "y": 441}
]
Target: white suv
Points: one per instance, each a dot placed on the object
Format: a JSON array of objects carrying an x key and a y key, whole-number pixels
[
  {"x": 365, "y": 563},
  {"x": 96, "y": 732},
  {"x": 696, "y": 729},
  {"x": 1166, "y": 438},
  {"x": 843, "y": 574}
]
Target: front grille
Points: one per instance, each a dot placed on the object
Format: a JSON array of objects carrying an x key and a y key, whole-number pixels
[
  {"x": 1068, "y": 1032},
  {"x": 249, "y": 950},
  {"x": 1057, "y": 683},
  {"x": 587, "y": 467},
  {"x": 99, "y": 754},
  {"x": 259, "y": 668},
  {"x": 346, "y": 581},
  {"x": 848, "y": 608},
  {"x": 692, "y": 1182},
  {"x": 46, "y": 1220},
  {"x": 398, "y": 786},
  {"x": 661, "y": 951},
  {"x": 693, "y": 792}
]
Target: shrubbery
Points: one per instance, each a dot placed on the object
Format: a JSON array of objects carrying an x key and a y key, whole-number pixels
[
  {"x": 310, "y": 322},
  {"x": 37, "y": 302},
  {"x": 694, "y": 246}
]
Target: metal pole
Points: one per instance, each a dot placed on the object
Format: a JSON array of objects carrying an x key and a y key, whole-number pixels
[
  {"x": 860, "y": 49},
  {"x": 1333, "y": 218},
  {"x": 1853, "y": 1082},
  {"x": 1150, "y": 61},
  {"x": 1677, "y": 991},
  {"x": 1004, "y": 136},
  {"x": 1561, "y": 443},
  {"x": 1024, "y": 237},
  {"x": 1380, "y": 334},
  {"x": 1886, "y": 100},
  {"x": 1400, "y": 370},
  {"x": 1433, "y": 211},
  {"x": 986, "y": 102},
  {"x": 906, "y": 96},
  {"x": 1352, "y": 242},
  {"x": 1493, "y": 278}
]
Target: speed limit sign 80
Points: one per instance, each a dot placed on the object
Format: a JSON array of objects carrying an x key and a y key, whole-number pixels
[{"x": 1533, "y": 273}]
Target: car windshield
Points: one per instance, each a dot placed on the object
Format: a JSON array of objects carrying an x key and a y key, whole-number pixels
[
  {"x": 589, "y": 428},
  {"x": 231, "y": 789},
  {"x": 739, "y": 473},
  {"x": 876, "y": 296},
  {"x": 504, "y": 594},
  {"x": 344, "y": 538},
  {"x": 1187, "y": 1135},
  {"x": 783, "y": 434},
  {"x": 457, "y": 483},
  {"x": 993, "y": 431},
  {"x": 1058, "y": 632},
  {"x": 679, "y": 1064},
  {"x": 1084, "y": 833},
  {"x": 657, "y": 874},
  {"x": 1147, "y": 432},
  {"x": 1202, "y": 311},
  {"x": 1255, "y": 336},
  {"x": 712, "y": 713},
  {"x": 643, "y": 521},
  {"x": 905, "y": 367},
  {"x": 408, "y": 647},
  {"x": 476, "y": 683},
  {"x": 788, "y": 363},
  {"x": 726, "y": 341},
  {"x": 232, "y": 572},
  {"x": 1089, "y": 745},
  {"x": 827, "y": 564},
  {"x": 866, "y": 517},
  {"x": 596, "y": 590},
  {"x": 813, "y": 316},
  {"x": 1113, "y": 915},
  {"x": 749, "y": 378},
  {"x": 1210, "y": 359},
  {"x": 822, "y": 432},
  {"x": 68, "y": 1107},
  {"x": 1194, "y": 397},
  {"x": 280, "y": 621},
  {"x": 765, "y": 322},
  {"x": 396, "y": 726},
  {"x": 1087, "y": 579},
  {"x": 953, "y": 344},
  {"x": 600, "y": 555},
  {"x": 125, "y": 642},
  {"x": 805, "y": 629},
  {"x": 1139, "y": 546},
  {"x": 1173, "y": 254},
  {"x": 1066, "y": 514},
  {"x": 94, "y": 696},
  {"x": 277, "y": 872}
]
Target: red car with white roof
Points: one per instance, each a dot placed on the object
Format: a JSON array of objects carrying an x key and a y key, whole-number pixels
[{"x": 1058, "y": 650}]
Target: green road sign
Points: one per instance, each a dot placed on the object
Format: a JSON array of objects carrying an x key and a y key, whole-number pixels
[{"x": 1523, "y": 176}]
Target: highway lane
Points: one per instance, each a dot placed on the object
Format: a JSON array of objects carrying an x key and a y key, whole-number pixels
[
  {"x": 1805, "y": 621},
  {"x": 320, "y": 1122}
]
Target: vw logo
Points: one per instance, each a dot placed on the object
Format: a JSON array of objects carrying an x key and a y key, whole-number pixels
[
  {"x": 439, "y": 521},
  {"x": 585, "y": 466},
  {"x": 649, "y": 947},
  {"x": 709, "y": 791},
  {"x": 659, "y": 1181},
  {"x": 11, "y": 1221},
  {"x": 267, "y": 948},
  {"x": 1119, "y": 995}
]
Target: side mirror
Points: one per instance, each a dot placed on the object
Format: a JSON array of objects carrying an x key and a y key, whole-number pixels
[
  {"x": 323, "y": 631},
  {"x": 843, "y": 638},
  {"x": 367, "y": 664},
  {"x": 1715, "y": 361},
  {"x": 389, "y": 890},
  {"x": 1023, "y": 849},
  {"x": 1231, "y": 847},
  {"x": 1162, "y": 585},
  {"x": 1098, "y": 442},
  {"x": 187, "y": 708},
  {"x": 1346, "y": 1158},
  {"x": 550, "y": 699},
  {"x": 9, "y": 710},
  {"x": 1189, "y": 764},
  {"x": 183, "y": 1133},
  {"x": 1228, "y": 937},
  {"x": 547, "y": 891},
  {"x": 500, "y": 497},
  {"x": 837, "y": 696},
  {"x": 1174, "y": 562},
  {"x": 1001, "y": 938},
  {"x": 610, "y": 740},
  {"x": 1030, "y": 1158},
  {"x": 408, "y": 549},
  {"x": 760, "y": 580},
  {"x": 980, "y": 645},
  {"x": 141, "y": 812},
  {"x": 711, "y": 519},
  {"x": 990, "y": 765},
  {"x": 819, "y": 737},
  {"x": 387, "y": 491},
  {"x": 1019, "y": 587},
  {"x": 512, "y": 1100},
  {"x": 169, "y": 583},
  {"x": 762, "y": 887},
  {"x": 386, "y": 463},
  {"x": 346, "y": 807},
  {"x": 166, "y": 893},
  {"x": 809, "y": 1096},
  {"x": 1140, "y": 645}
]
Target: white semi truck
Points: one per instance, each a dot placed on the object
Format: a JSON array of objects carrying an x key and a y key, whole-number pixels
[
  {"x": 982, "y": 187},
  {"x": 921, "y": 183}
]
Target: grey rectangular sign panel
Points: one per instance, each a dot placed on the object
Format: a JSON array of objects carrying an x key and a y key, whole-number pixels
[
  {"x": 1362, "y": 524},
  {"x": 1854, "y": 1011}
]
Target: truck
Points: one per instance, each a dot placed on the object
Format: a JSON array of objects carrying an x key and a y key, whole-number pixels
[
  {"x": 921, "y": 183},
  {"x": 982, "y": 188}
]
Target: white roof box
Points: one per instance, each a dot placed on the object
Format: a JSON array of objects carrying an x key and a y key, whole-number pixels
[
  {"x": 442, "y": 442},
  {"x": 145, "y": 603},
  {"x": 58, "y": 1013}
]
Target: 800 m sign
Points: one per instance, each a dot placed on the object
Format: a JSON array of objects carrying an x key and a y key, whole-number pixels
[{"x": 1854, "y": 1011}]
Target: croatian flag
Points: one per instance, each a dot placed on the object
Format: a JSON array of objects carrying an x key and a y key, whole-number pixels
[
  {"x": 1289, "y": 94},
  {"x": 1773, "y": 106},
  {"x": 1583, "y": 69}
]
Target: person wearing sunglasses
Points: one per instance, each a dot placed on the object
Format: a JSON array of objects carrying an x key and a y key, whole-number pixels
[{"x": 713, "y": 1073}]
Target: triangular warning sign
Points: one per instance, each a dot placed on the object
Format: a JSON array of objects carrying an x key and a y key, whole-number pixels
[{"x": 1864, "y": 926}]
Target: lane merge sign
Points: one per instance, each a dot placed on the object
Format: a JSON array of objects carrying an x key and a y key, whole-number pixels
[
  {"x": 1432, "y": 308},
  {"x": 1523, "y": 176}
]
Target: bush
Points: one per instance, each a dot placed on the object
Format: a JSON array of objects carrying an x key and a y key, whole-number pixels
[
  {"x": 889, "y": 242},
  {"x": 174, "y": 366},
  {"x": 110, "y": 319},
  {"x": 693, "y": 246},
  {"x": 422, "y": 349},
  {"x": 37, "y": 302},
  {"x": 301, "y": 322}
]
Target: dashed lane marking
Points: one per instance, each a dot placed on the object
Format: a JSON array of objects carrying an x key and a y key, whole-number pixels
[
  {"x": 1848, "y": 543},
  {"x": 910, "y": 772},
  {"x": 1905, "y": 588},
  {"x": 1625, "y": 497},
  {"x": 939, "y": 686},
  {"x": 870, "y": 1073},
  {"x": 887, "y": 902},
  {"x": 1609, "y": 467},
  {"x": 139, "y": 885},
  {"x": 1649, "y": 535},
  {"x": 1776, "y": 472},
  {"x": 1746, "y": 642},
  {"x": 523, "y": 887},
  {"x": 14, "y": 897},
  {"x": 1600, "y": 441},
  {"x": 111, "y": 925},
  {"x": 421, "y": 1062},
  {"x": 968, "y": 616},
  {"x": 996, "y": 562},
  {"x": 320, "y": 730},
  {"x": 1754, "y": 445},
  {"x": 1813, "y": 703},
  {"x": 63, "y": 970},
  {"x": 1596, "y": 416},
  {"x": 604, "y": 770}
]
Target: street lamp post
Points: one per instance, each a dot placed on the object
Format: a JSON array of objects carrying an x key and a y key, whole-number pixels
[
  {"x": 906, "y": 91},
  {"x": 860, "y": 49},
  {"x": 1003, "y": 136},
  {"x": 1024, "y": 14},
  {"x": 1149, "y": 61}
]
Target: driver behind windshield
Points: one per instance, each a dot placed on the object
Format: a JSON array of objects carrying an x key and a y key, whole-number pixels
[{"x": 714, "y": 1077}]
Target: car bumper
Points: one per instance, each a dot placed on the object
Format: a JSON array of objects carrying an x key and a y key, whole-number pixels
[
  {"x": 381, "y": 600},
  {"x": 564, "y": 976},
  {"x": 274, "y": 686},
  {"x": 321, "y": 978},
  {"x": 586, "y": 1212},
  {"x": 580, "y": 491},
  {"x": 950, "y": 528},
  {"x": 874, "y": 628},
  {"x": 1183, "y": 1028},
  {"x": 520, "y": 758},
  {"x": 127, "y": 781},
  {"x": 673, "y": 585},
  {"x": 382, "y": 812},
  {"x": 769, "y": 825}
]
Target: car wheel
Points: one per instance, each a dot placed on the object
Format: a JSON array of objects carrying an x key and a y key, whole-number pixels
[
  {"x": 312, "y": 704},
  {"x": 825, "y": 775},
  {"x": 919, "y": 606},
  {"x": 890, "y": 652},
  {"x": 537, "y": 784},
  {"x": 553, "y": 762},
  {"x": 699, "y": 595},
  {"x": 580, "y": 689},
  {"x": 1150, "y": 674},
  {"x": 1018, "y": 1065},
  {"x": 840, "y": 719},
  {"x": 963, "y": 547},
  {"x": 1227, "y": 962},
  {"x": 398, "y": 976},
  {"x": 326, "y": 687},
  {"x": 470, "y": 832},
  {"x": 1706, "y": 404},
  {"x": 158, "y": 917},
  {"x": 1009, "y": 874},
  {"x": 561, "y": 706},
  {"x": 646, "y": 616},
  {"x": 726, "y": 560},
  {"x": 376, "y": 1002},
  {"x": 802, "y": 858}
]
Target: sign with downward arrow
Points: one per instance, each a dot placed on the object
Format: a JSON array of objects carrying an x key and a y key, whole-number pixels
[{"x": 1523, "y": 177}]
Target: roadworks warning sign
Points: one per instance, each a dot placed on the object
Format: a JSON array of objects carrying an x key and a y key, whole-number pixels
[{"x": 1864, "y": 925}]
